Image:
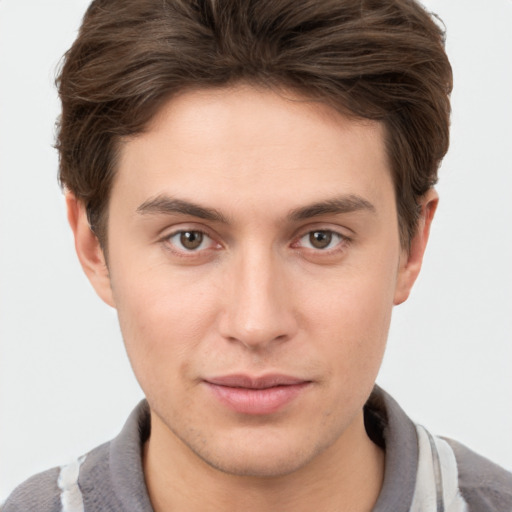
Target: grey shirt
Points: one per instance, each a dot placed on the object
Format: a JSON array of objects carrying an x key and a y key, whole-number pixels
[{"x": 110, "y": 477}]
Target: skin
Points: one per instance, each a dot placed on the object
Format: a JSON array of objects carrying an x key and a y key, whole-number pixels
[{"x": 257, "y": 296}]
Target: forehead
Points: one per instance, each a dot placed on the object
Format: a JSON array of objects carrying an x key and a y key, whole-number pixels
[{"x": 244, "y": 145}]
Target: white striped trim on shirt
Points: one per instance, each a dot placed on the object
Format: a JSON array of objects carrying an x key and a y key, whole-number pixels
[
  {"x": 71, "y": 495},
  {"x": 437, "y": 479}
]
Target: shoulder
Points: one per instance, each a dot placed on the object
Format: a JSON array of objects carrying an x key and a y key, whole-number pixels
[
  {"x": 68, "y": 487},
  {"x": 64, "y": 488},
  {"x": 109, "y": 477},
  {"x": 39, "y": 493},
  {"x": 484, "y": 485},
  {"x": 424, "y": 471}
]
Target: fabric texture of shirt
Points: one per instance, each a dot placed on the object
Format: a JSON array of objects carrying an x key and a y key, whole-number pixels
[{"x": 423, "y": 473}]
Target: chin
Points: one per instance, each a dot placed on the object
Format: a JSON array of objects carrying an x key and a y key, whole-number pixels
[
  {"x": 269, "y": 464},
  {"x": 267, "y": 454}
]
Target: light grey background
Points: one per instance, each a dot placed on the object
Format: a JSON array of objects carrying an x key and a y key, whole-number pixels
[{"x": 65, "y": 383}]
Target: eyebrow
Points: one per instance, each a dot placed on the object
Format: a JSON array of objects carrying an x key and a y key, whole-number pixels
[
  {"x": 338, "y": 205},
  {"x": 169, "y": 206}
]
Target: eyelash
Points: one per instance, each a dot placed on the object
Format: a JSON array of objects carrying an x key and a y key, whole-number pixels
[
  {"x": 330, "y": 254},
  {"x": 184, "y": 252},
  {"x": 340, "y": 245},
  {"x": 333, "y": 236}
]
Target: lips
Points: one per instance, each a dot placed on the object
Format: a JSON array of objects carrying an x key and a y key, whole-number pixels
[{"x": 256, "y": 395}]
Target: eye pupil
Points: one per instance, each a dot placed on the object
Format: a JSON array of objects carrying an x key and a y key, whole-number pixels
[
  {"x": 191, "y": 239},
  {"x": 320, "y": 239}
]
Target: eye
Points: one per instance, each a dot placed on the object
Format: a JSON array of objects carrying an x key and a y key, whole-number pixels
[
  {"x": 190, "y": 240},
  {"x": 321, "y": 239}
]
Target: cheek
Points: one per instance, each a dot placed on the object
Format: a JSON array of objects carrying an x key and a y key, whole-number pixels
[
  {"x": 163, "y": 319},
  {"x": 351, "y": 321}
]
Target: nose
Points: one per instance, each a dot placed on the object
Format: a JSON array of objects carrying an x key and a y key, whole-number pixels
[{"x": 258, "y": 305}]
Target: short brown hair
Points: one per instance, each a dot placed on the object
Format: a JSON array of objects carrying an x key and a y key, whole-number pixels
[{"x": 375, "y": 59}]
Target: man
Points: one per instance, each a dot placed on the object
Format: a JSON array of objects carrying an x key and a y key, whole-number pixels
[{"x": 250, "y": 185}]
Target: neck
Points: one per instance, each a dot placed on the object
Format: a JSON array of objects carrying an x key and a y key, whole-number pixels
[{"x": 347, "y": 476}]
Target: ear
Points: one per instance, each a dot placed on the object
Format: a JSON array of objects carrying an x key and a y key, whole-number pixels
[
  {"x": 410, "y": 261},
  {"x": 88, "y": 249}
]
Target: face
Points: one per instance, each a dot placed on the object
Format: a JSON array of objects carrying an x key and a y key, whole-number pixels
[{"x": 254, "y": 259}]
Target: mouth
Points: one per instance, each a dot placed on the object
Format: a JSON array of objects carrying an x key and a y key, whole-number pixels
[{"x": 257, "y": 395}]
